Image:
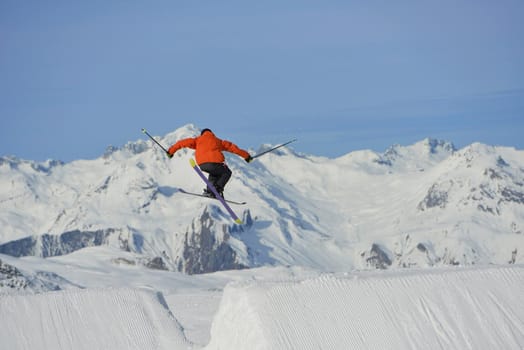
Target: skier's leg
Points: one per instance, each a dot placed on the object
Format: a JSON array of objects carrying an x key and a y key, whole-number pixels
[
  {"x": 225, "y": 175},
  {"x": 219, "y": 174},
  {"x": 215, "y": 171},
  {"x": 213, "y": 178}
]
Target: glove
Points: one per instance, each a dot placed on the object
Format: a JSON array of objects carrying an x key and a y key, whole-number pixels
[
  {"x": 248, "y": 159},
  {"x": 169, "y": 155}
]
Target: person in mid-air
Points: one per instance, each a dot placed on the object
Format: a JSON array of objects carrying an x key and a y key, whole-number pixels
[{"x": 209, "y": 157}]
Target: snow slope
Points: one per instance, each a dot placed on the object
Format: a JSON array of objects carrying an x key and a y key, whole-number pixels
[
  {"x": 268, "y": 308},
  {"x": 426, "y": 204},
  {"x": 421, "y": 205},
  {"x": 89, "y": 319},
  {"x": 110, "y": 232},
  {"x": 445, "y": 309}
]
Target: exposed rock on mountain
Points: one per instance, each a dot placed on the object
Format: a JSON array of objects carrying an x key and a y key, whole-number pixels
[{"x": 461, "y": 206}]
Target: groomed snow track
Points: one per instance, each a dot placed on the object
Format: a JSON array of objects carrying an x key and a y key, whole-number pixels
[
  {"x": 88, "y": 319},
  {"x": 451, "y": 309},
  {"x": 473, "y": 308}
]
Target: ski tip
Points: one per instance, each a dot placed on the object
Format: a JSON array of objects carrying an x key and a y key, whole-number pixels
[
  {"x": 192, "y": 162},
  {"x": 144, "y": 130},
  {"x": 238, "y": 221}
]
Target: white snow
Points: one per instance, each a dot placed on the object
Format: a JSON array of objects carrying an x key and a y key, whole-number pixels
[
  {"x": 446, "y": 309},
  {"x": 307, "y": 210},
  {"x": 126, "y": 307},
  {"x": 88, "y": 319},
  {"x": 314, "y": 222}
]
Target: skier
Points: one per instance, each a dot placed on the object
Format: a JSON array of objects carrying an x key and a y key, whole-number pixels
[{"x": 209, "y": 157}]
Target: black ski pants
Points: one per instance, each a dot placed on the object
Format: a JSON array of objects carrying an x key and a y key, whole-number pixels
[{"x": 219, "y": 174}]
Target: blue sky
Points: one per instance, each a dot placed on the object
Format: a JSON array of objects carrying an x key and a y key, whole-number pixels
[{"x": 340, "y": 76}]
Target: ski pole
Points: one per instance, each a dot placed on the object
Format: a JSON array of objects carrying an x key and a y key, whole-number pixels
[
  {"x": 272, "y": 149},
  {"x": 155, "y": 141}
]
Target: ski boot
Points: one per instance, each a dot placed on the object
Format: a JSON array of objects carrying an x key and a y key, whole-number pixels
[{"x": 208, "y": 193}]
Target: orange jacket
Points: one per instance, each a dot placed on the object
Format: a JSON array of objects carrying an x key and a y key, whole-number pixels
[{"x": 208, "y": 148}]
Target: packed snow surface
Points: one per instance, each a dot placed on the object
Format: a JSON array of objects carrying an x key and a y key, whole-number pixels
[
  {"x": 97, "y": 230},
  {"x": 88, "y": 319},
  {"x": 471, "y": 309},
  {"x": 276, "y": 308}
]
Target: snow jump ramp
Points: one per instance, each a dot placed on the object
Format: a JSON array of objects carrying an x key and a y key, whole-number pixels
[
  {"x": 473, "y": 308},
  {"x": 423, "y": 309},
  {"x": 88, "y": 319}
]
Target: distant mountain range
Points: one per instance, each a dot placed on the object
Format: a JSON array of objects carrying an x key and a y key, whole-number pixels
[{"x": 426, "y": 204}]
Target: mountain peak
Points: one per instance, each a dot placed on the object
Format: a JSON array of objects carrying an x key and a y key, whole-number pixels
[
  {"x": 143, "y": 144},
  {"x": 301, "y": 205},
  {"x": 417, "y": 156},
  {"x": 188, "y": 130},
  {"x": 15, "y": 163},
  {"x": 435, "y": 146}
]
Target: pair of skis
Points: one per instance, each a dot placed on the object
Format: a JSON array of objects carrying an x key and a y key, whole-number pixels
[
  {"x": 209, "y": 184},
  {"x": 215, "y": 192},
  {"x": 181, "y": 190}
]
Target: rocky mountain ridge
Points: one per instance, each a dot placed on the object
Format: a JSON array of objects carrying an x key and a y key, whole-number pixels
[{"x": 426, "y": 204}]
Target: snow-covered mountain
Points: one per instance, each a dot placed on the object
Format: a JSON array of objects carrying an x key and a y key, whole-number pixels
[{"x": 426, "y": 204}]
